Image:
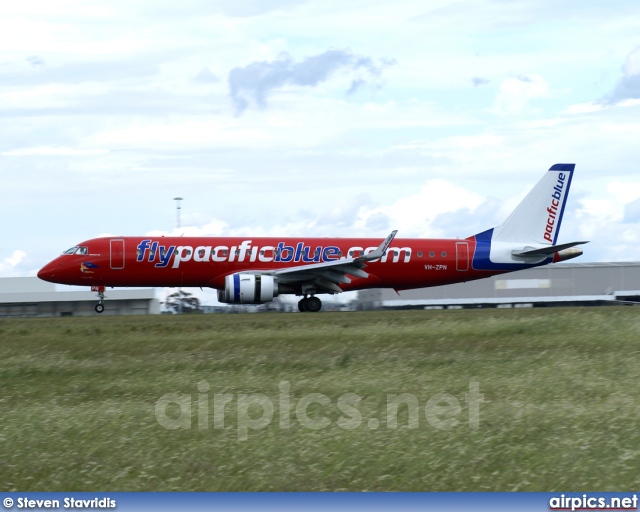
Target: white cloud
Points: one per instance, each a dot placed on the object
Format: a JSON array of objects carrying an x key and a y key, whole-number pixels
[
  {"x": 189, "y": 133},
  {"x": 53, "y": 151},
  {"x": 467, "y": 142},
  {"x": 628, "y": 87},
  {"x": 582, "y": 108},
  {"x": 413, "y": 215},
  {"x": 624, "y": 192},
  {"x": 9, "y": 265},
  {"x": 212, "y": 227},
  {"x": 610, "y": 220},
  {"x": 632, "y": 66},
  {"x": 251, "y": 84},
  {"x": 302, "y": 121},
  {"x": 517, "y": 92}
]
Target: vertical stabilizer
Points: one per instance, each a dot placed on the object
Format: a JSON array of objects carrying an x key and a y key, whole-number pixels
[{"x": 538, "y": 217}]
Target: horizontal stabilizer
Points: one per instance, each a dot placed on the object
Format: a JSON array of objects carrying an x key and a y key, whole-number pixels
[{"x": 546, "y": 251}]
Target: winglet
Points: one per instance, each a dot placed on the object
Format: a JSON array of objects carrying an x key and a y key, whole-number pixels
[{"x": 379, "y": 252}]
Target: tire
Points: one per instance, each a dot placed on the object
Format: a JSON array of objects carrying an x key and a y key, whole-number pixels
[
  {"x": 99, "y": 308},
  {"x": 302, "y": 307},
  {"x": 314, "y": 304}
]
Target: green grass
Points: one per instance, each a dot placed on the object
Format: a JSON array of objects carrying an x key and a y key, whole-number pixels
[{"x": 561, "y": 390}]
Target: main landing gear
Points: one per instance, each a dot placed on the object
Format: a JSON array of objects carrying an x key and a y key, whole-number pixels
[
  {"x": 100, "y": 305},
  {"x": 310, "y": 304}
]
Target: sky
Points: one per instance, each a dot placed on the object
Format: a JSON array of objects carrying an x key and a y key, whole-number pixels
[{"x": 313, "y": 118}]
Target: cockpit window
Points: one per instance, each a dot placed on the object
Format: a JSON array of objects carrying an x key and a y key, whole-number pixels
[{"x": 77, "y": 250}]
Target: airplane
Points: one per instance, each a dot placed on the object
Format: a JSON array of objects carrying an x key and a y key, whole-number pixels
[{"x": 251, "y": 270}]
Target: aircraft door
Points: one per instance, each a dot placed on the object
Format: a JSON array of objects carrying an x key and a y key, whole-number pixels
[
  {"x": 117, "y": 254},
  {"x": 462, "y": 256}
]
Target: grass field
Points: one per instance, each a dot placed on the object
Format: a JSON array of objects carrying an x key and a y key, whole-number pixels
[{"x": 561, "y": 388}]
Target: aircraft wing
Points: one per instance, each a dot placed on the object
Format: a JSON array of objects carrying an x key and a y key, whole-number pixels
[{"x": 326, "y": 276}]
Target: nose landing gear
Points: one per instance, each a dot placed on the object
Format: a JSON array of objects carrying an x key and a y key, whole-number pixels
[{"x": 100, "y": 305}]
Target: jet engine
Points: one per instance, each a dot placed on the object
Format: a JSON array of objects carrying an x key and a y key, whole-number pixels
[{"x": 244, "y": 288}]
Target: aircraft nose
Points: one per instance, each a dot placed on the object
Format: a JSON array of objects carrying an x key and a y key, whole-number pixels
[{"x": 48, "y": 272}]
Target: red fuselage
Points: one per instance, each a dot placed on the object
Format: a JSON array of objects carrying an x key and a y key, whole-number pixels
[{"x": 206, "y": 261}]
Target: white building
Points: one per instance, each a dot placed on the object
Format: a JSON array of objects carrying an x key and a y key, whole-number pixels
[
  {"x": 558, "y": 284},
  {"x": 32, "y": 297}
]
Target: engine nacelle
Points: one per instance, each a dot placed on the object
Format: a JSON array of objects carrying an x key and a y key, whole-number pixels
[{"x": 245, "y": 288}]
